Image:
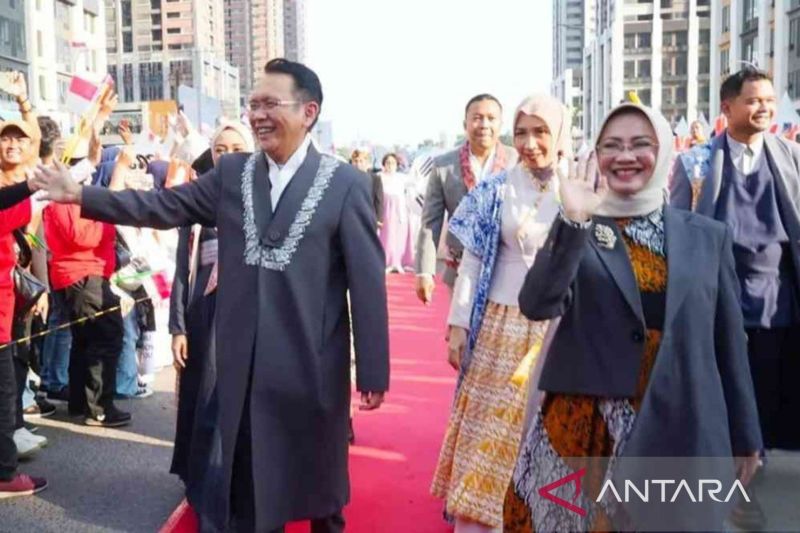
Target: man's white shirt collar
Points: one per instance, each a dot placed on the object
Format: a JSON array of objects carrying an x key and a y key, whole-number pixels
[
  {"x": 743, "y": 162},
  {"x": 482, "y": 171},
  {"x": 280, "y": 176}
]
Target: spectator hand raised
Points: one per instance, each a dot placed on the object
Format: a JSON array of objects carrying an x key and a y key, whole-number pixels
[
  {"x": 14, "y": 85},
  {"x": 125, "y": 132}
]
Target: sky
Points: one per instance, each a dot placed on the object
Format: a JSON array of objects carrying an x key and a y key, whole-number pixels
[{"x": 401, "y": 71}]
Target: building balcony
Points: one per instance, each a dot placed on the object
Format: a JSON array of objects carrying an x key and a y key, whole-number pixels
[
  {"x": 638, "y": 80},
  {"x": 749, "y": 26}
]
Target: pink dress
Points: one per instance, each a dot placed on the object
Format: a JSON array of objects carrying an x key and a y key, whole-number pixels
[{"x": 395, "y": 234}]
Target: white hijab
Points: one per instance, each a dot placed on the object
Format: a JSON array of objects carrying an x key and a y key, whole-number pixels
[
  {"x": 653, "y": 195},
  {"x": 245, "y": 132}
]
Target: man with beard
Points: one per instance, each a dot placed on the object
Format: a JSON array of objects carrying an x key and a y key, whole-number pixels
[
  {"x": 749, "y": 179},
  {"x": 453, "y": 175},
  {"x": 296, "y": 233}
]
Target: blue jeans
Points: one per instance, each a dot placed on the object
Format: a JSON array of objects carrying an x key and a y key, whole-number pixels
[
  {"x": 55, "y": 352},
  {"x": 127, "y": 367}
]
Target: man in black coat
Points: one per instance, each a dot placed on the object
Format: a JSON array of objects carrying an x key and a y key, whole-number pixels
[{"x": 296, "y": 233}]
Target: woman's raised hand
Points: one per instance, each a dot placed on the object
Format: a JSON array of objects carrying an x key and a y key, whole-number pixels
[{"x": 582, "y": 189}]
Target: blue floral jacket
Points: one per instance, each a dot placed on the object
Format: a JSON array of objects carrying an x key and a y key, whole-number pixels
[{"x": 477, "y": 224}]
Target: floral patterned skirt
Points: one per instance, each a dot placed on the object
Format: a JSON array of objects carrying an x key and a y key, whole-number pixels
[{"x": 482, "y": 439}]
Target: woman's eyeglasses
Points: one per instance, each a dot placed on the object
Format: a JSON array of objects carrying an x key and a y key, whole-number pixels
[{"x": 637, "y": 147}]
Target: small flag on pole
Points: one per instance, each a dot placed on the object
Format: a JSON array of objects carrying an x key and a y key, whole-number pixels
[{"x": 81, "y": 94}]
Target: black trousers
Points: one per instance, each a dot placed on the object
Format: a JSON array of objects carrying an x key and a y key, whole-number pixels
[
  {"x": 21, "y": 328},
  {"x": 96, "y": 345},
  {"x": 243, "y": 506},
  {"x": 775, "y": 366},
  {"x": 8, "y": 407}
]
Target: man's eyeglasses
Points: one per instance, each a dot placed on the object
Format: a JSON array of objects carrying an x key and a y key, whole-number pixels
[
  {"x": 638, "y": 147},
  {"x": 270, "y": 104}
]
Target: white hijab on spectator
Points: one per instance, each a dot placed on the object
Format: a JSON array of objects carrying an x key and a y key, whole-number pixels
[{"x": 245, "y": 132}]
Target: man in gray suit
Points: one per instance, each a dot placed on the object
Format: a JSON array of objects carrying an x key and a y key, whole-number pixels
[
  {"x": 750, "y": 179},
  {"x": 452, "y": 176}
]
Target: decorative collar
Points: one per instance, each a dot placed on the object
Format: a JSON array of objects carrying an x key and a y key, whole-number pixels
[
  {"x": 648, "y": 231},
  {"x": 278, "y": 258}
]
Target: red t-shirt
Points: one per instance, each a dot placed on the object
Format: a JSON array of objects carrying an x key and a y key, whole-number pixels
[
  {"x": 12, "y": 218},
  {"x": 78, "y": 247}
]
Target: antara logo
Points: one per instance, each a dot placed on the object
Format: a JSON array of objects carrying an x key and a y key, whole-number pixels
[
  {"x": 671, "y": 491},
  {"x": 545, "y": 492}
]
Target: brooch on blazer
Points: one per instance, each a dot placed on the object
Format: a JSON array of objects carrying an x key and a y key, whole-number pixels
[{"x": 605, "y": 236}]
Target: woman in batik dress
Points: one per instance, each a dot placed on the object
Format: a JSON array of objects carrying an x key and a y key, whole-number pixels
[
  {"x": 649, "y": 358},
  {"x": 502, "y": 223}
]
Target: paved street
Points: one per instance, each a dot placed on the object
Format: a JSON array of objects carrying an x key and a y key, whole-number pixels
[{"x": 103, "y": 480}]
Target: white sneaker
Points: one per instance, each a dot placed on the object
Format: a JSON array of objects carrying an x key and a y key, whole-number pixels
[
  {"x": 142, "y": 392},
  {"x": 39, "y": 439},
  {"x": 25, "y": 447}
]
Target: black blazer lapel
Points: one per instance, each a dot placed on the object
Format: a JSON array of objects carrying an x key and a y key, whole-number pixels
[
  {"x": 292, "y": 198},
  {"x": 262, "y": 201},
  {"x": 682, "y": 261},
  {"x": 618, "y": 263}
]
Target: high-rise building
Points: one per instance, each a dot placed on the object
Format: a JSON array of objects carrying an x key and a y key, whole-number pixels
[
  {"x": 765, "y": 34},
  {"x": 49, "y": 41},
  {"x": 156, "y": 46},
  {"x": 253, "y": 36},
  {"x": 659, "y": 49},
  {"x": 13, "y": 48},
  {"x": 294, "y": 29},
  {"x": 571, "y": 26}
]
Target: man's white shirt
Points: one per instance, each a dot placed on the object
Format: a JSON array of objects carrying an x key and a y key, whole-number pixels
[
  {"x": 481, "y": 172},
  {"x": 281, "y": 176},
  {"x": 746, "y": 158}
]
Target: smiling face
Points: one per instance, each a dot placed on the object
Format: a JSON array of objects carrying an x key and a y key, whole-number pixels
[
  {"x": 227, "y": 142},
  {"x": 534, "y": 142},
  {"x": 279, "y": 117},
  {"x": 14, "y": 147},
  {"x": 483, "y": 122},
  {"x": 752, "y": 111},
  {"x": 627, "y": 152}
]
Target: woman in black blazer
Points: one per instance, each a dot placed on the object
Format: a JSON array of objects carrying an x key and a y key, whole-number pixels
[{"x": 650, "y": 356}]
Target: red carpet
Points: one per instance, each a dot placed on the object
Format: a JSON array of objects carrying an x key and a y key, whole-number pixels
[{"x": 397, "y": 446}]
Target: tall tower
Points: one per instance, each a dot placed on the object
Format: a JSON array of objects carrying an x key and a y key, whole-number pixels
[
  {"x": 254, "y": 35},
  {"x": 568, "y": 41},
  {"x": 294, "y": 29}
]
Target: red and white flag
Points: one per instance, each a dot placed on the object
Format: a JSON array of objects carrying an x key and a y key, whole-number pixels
[{"x": 81, "y": 94}]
